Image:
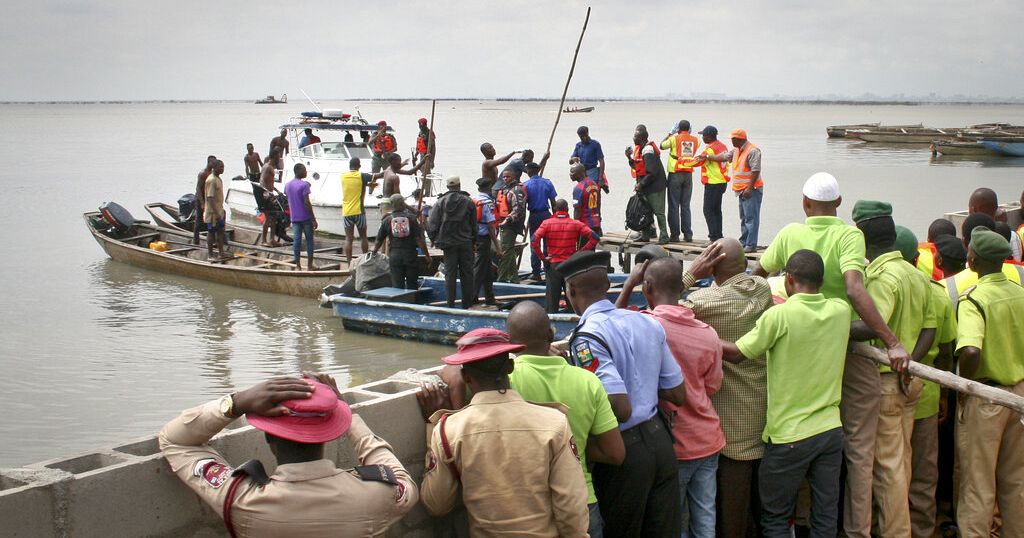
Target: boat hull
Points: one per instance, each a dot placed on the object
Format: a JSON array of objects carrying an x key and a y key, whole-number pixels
[
  {"x": 1006, "y": 148},
  {"x": 962, "y": 148}
]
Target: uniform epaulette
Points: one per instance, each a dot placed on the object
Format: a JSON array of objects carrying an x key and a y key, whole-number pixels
[
  {"x": 376, "y": 473},
  {"x": 254, "y": 470}
]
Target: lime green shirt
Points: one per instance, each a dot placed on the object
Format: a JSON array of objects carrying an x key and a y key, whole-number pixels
[
  {"x": 945, "y": 332},
  {"x": 551, "y": 379},
  {"x": 804, "y": 340},
  {"x": 840, "y": 246},
  {"x": 902, "y": 297},
  {"x": 998, "y": 332}
]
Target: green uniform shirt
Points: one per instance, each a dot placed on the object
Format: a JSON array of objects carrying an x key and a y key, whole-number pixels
[
  {"x": 551, "y": 379},
  {"x": 902, "y": 297},
  {"x": 945, "y": 332},
  {"x": 998, "y": 331},
  {"x": 805, "y": 342},
  {"x": 840, "y": 246}
]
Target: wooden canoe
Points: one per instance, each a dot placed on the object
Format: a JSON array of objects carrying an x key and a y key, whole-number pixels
[
  {"x": 245, "y": 266},
  {"x": 578, "y": 109},
  {"x": 961, "y": 147}
]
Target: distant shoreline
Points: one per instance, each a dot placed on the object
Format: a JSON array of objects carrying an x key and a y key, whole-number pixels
[{"x": 575, "y": 102}]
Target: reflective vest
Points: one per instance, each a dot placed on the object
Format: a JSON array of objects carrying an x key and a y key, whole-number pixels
[
  {"x": 684, "y": 147},
  {"x": 926, "y": 261},
  {"x": 712, "y": 172},
  {"x": 384, "y": 144},
  {"x": 967, "y": 278},
  {"x": 741, "y": 174},
  {"x": 502, "y": 209},
  {"x": 639, "y": 168}
]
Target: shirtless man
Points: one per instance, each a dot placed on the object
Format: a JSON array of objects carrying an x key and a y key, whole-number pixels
[
  {"x": 270, "y": 216},
  {"x": 251, "y": 163},
  {"x": 489, "y": 169},
  {"x": 281, "y": 143},
  {"x": 199, "y": 225},
  {"x": 394, "y": 169}
]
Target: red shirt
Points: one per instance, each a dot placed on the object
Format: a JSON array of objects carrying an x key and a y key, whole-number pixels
[{"x": 562, "y": 235}]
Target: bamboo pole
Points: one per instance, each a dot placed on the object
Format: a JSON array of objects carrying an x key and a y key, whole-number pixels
[
  {"x": 429, "y": 155},
  {"x": 947, "y": 380},
  {"x": 568, "y": 80}
]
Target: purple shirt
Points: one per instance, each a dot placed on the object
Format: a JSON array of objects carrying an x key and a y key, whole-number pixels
[{"x": 296, "y": 191}]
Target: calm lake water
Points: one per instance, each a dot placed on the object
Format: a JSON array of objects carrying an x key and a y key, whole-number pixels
[{"x": 94, "y": 351}]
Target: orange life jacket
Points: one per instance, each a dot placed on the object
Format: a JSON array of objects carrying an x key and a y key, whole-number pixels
[
  {"x": 384, "y": 144},
  {"x": 718, "y": 147},
  {"x": 926, "y": 260},
  {"x": 639, "y": 168},
  {"x": 684, "y": 148},
  {"x": 502, "y": 209},
  {"x": 741, "y": 173},
  {"x": 421, "y": 144}
]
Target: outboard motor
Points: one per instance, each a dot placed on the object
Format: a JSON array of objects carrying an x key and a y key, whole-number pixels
[
  {"x": 118, "y": 217},
  {"x": 187, "y": 208}
]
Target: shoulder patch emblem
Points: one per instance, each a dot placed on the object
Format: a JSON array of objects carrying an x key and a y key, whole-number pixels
[
  {"x": 212, "y": 472},
  {"x": 574, "y": 448},
  {"x": 585, "y": 357}
]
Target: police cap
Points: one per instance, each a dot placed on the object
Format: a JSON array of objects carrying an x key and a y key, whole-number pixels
[
  {"x": 584, "y": 261},
  {"x": 950, "y": 248}
]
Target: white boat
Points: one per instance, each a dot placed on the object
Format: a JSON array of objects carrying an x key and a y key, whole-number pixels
[{"x": 325, "y": 162}]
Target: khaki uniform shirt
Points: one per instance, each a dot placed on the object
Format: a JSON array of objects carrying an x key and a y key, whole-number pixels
[
  {"x": 742, "y": 403},
  {"x": 302, "y": 499},
  {"x": 214, "y": 194},
  {"x": 518, "y": 466}
]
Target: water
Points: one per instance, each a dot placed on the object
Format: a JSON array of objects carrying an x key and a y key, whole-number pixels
[{"x": 94, "y": 352}]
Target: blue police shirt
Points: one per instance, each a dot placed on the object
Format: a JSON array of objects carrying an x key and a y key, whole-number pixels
[
  {"x": 540, "y": 194},
  {"x": 588, "y": 153},
  {"x": 487, "y": 211},
  {"x": 630, "y": 355}
]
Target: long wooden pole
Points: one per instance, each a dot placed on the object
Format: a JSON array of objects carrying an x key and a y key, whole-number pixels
[
  {"x": 429, "y": 155},
  {"x": 568, "y": 80}
]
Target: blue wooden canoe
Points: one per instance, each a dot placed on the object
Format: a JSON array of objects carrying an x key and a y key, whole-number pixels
[
  {"x": 436, "y": 285},
  {"x": 1011, "y": 148}
]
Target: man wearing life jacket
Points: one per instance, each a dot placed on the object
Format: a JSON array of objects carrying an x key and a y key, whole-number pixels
[
  {"x": 645, "y": 162},
  {"x": 682, "y": 148},
  {"x": 382, "y": 143},
  {"x": 927, "y": 252},
  {"x": 715, "y": 178},
  {"x": 425, "y": 144},
  {"x": 746, "y": 183},
  {"x": 487, "y": 246},
  {"x": 510, "y": 212}
]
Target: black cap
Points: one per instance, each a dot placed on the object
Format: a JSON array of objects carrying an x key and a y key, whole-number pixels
[
  {"x": 484, "y": 181},
  {"x": 950, "y": 248},
  {"x": 709, "y": 130},
  {"x": 584, "y": 261}
]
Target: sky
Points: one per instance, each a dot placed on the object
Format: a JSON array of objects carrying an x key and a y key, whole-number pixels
[{"x": 128, "y": 50}]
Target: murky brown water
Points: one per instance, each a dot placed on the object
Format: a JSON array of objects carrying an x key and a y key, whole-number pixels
[{"x": 93, "y": 351}]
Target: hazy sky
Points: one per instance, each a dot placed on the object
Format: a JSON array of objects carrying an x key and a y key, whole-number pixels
[{"x": 116, "y": 49}]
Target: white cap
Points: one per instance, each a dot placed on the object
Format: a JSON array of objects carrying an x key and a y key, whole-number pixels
[{"x": 822, "y": 187}]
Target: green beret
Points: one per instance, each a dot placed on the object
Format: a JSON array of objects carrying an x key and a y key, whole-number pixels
[
  {"x": 906, "y": 243},
  {"x": 870, "y": 209},
  {"x": 989, "y": 245}
]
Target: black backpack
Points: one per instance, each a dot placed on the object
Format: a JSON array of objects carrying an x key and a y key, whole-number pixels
[{"x": 639, "y": 213}]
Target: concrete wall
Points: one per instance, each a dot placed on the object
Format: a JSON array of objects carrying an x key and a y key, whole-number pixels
[{"x": 129, "y": 490}]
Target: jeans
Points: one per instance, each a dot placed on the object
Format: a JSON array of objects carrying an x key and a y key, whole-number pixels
[
  {"x": 405, "y": 268},
  {"x": 596, "y": 529},
  {"x": 508, "y": 267},
  {"x": 657, "y": 201},
  {"x": 680, "y": 189},
  {"x": 784, "y": 466},
  {"x": 299, "y": 228},
  {"x": 458, "y": 264},
  {"x": 698, "y": 484},
  {"x": 750, "y": 218},
  {"x": 483, "y": 274},
  {"x": 537, "y": 217},
  {"x": 713, "y": 209},
  {"x": 554, "y": 284}
]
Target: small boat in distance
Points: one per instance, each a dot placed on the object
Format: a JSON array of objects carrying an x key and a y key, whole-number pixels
[
  {"x": 852, "y": 130},
  {"x": 570, "y": 110},
  {"x": 271, "y": 100}
]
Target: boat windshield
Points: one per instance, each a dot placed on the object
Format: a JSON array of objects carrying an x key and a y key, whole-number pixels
[{"x": 336, "y": 150}]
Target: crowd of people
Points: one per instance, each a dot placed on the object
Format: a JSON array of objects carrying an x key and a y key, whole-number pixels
[{"x": 733, "y": 410}]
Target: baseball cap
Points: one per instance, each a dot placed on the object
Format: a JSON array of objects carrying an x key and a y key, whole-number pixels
[
  {"x": 318, "y": 419},
  {"x": 709, "y": 130},
  {"x": 453, "y": 181},
  {"x": 822, "y": 187},
  {"x": 738, "y": 133},
  {"x": 480, "y": 344}
]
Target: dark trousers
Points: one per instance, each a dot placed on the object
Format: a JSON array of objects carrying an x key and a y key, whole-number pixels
[
  {"x": 641, "y": 496},
  {"x": 554, "y": 285},
  {"x": 680, "y": 189},
  {"x": 405, "y": 268},
  {"x": 737, "y": 502},
  {"x": 458, "y": 264},
  {"x": 713, "y": 209},
  {"x": 784, "y": 467},
  {"x": 537, "y": 217},
  {"x": 483, "y": 273}
]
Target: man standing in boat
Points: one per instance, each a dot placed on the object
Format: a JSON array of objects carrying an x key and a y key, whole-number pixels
[
  {"x": 586, "y": 199},
  {"x": 281, "y": 144},
  {"x": 403, "y": 234},
  {"x": 252, "y": 163},
  {"x": 489, "y": 168},
  {"x": 425, "y": 145},
  {"x": 452, "y": 227},
  {"x": 303, "y": 219},
  {"x": 487, "y": 246},
  {"x": 271, "y": 207},
  {"x": 588, "y": 153},
  {"x": 213, "y": 210},
  {"x": 383, "y": 144},
  {"x": 199, "y": 224},
  {"x": 393, "y": 183},
  {"x": 354, "y": 186},
  {"x": 510, "y": 210}
]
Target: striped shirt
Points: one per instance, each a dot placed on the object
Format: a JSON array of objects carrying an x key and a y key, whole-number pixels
[
  {"x": 562, "y": 235},
  {"x": 742, "y": 404}
]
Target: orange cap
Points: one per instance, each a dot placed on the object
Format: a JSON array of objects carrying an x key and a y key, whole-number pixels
[{"x": 738, "y": 133}]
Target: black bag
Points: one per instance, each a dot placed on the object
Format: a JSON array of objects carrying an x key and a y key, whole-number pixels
[{"x": 639, "y": 213}]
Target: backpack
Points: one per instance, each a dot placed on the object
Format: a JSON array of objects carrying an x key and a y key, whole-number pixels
[
  {"x": 639, "y": 213},
  {"x": 400, "y": 227}
]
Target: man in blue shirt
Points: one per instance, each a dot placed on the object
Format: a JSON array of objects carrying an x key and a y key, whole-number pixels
[
  {"x": 588, "y": 152},
  {"x": 540, "y": 198},
  {"x": 486, "y": 241},
  {"x": 629, "y": 353}
]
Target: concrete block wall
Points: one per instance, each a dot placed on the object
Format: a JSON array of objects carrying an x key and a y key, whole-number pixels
[{"x": 129, "y": 490}]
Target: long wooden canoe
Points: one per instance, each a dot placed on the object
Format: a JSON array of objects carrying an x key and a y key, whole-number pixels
[{"x": 244, "y": 266}]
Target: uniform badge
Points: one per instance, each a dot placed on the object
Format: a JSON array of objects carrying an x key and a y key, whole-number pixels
[
  {"x": 575, "y": 449},
  {"x": 584, "y": 357},
  {"x": 212, "y": 472}
]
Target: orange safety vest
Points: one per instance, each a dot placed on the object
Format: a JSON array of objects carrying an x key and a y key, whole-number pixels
[
  {"x": 741, "y": 174},
  {"x": 718, "y": 147},
  {"x": 926, "y": 260},
  {"x": 683, "y": 149},
  {"x": 421, "y": 144},
  {"x": 502, "y": 209},
  {"x": 384, "y": 144},
  {"x": 639, "y": 168}
]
